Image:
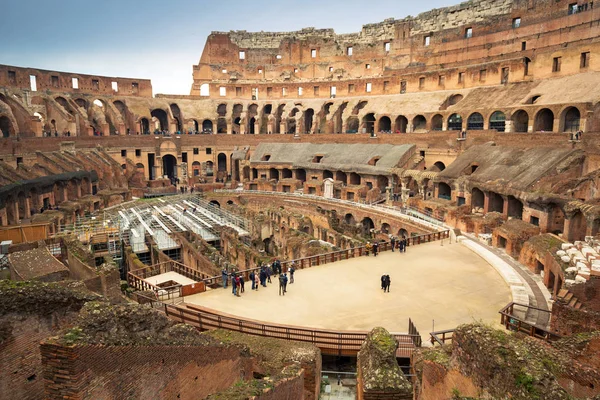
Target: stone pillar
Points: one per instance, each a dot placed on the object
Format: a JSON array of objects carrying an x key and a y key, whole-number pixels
[
  {"x": 378, "y": 354},
  {"x": 283, "y": 128},
  {"x": 486, "y": 202},
  {"x": 65, "y": 193},
  {"x": 508, "y": 126},
  {"x": 505, "y": 206},
  {"x": 445, "y": 125}
]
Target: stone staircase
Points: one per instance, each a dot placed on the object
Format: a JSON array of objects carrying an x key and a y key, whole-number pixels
[{"x": 569, "y": 299}]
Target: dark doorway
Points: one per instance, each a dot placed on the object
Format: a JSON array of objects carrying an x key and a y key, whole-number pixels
[{"x": 170, "y": 166}]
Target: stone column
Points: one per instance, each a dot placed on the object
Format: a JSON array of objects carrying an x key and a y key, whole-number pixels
[
  {"x": 486, "y": 202},
  {"x": 508, "y": 126}
]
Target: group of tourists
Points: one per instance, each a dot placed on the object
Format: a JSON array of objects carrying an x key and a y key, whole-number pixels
[
  {"x": 259, "y": 278},
  {"x": 385, "y": 283},
  {"x": 372, "y": 248},
  {"x": 399, "y": 244}
]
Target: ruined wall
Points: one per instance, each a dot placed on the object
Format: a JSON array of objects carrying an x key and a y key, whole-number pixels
[{"x": 61, "y": 82}]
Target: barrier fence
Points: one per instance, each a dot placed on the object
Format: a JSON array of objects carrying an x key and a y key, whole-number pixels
[
  {"x": 513, "y": 322},
  {"x": 340, "y": 343}
]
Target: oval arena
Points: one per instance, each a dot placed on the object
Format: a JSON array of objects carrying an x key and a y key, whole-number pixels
[{"x": 129, "y": 219}]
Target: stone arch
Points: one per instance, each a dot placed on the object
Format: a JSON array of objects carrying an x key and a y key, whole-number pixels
[
  {"x": 6, "y": 127},
  {"x": 444, "y": 191},
  {"x": 497, "y": 121},
  {"x": 301, "y": 175},
  {"x": 455, "y": 122},
  {"x": 515, "y": 207},
  {"x": 438, "y": 166},
  {"x": 403, "y": 233},
  {"x": 354, "y": 178},
  {"x": 222, "y": 110},
  {"x": 327, "y": 174},
  {"x": 352, "y": 125},
  {"x": 419, "y": 124},
  {"x": 437, "y": 122},
  {"x": 162, "y": 118},
  {"x": 221, "y": 162},
  {"x": 349, "y": 219},
  {"x": 577, "y": 227},
  {"x": 207, "y": 126},
  {"x": 144, "y": 126},
  {"x": 520, "y": 121},
  {"x": 475, "y": 122},
  {"x": 570, "y": 119},
  {"x": 385, "y": 228},
  {"x": 341, "y": 176},
  {"x": 544, "y": 121},
  {"x": 308, "y": 120},
  {"x": 496, "y": 203},
  {"x": 368, "y": 123},
  {"x": 215, "y": 203},
  {"x": 401, "y": 124},
  {"x": 286, "y": 173},
  {"x": 367, "y": 225},
  {"x": 384, "y": 124},
  {"x": 477, "y": 198}
]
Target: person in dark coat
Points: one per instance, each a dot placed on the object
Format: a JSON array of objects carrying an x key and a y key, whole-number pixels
[
  {"x": 291, "y": 271},
  {"x": 375, "y": 249},
  {"x": 241, "y": 283},
  {"x": 252, "y": 279},
  {"x": 388, "y": 282},
  {"x": 393, "y": 242},
  {"x": 224, "y": 277},
  {"x": 383, "y": 282}
]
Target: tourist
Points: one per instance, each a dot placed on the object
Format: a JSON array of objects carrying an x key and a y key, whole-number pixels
[
  {"x": 256, "y": 281},
  {"x": 375, "y": 248},
  {"x": 241, "y": 283},
  {"x": 282, "y": 284},
  {"x": 388, "y": 281},
  {"x": 393, "y": 242},
  {"x": 368, "y": 247},
  {"x": 238, "y": 285},
  {"x": 252, "y": 279},
  {"x": 224, "y": 277},
  {"x": 233, "y": 284},
  {"x": 404, "y": 244},
  {"x": 269, "y": 272},
  {"x": 263, "y": 276},
  {"x": 292, "y": 270},
  {"x": 383, "y": 282},
  {"x": 285, "y": 282}
]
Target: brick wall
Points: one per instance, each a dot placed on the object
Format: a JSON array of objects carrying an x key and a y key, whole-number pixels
[
  {"x": 159, "y": 372},
  {"x": 21, "y": 372}
]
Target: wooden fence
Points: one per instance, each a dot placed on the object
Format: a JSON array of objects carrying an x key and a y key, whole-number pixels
[{"x": 339, "y": 343}]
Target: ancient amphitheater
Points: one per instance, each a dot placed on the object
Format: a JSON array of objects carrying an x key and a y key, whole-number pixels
[{"x": 469, "y": 133}]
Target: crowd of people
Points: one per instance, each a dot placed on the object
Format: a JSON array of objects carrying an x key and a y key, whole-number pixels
[{"x": 260, "y": 277}]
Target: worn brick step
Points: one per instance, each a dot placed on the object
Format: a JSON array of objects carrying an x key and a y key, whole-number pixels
[
  {"x": 562, "y": 293},
  {"x": 573, "y": 301},
  {"x": 568, "y": 297}
]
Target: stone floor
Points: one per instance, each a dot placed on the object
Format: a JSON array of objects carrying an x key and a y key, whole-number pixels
[
  {"x": 345, "y": 391},
  {"x": 447, "y": 284}
]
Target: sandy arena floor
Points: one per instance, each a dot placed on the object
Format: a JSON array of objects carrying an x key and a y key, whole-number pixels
[{"x": 448, "y": 284}]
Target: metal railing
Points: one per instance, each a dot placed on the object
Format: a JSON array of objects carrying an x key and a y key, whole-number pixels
[
  {"x": 513, "y": 322},
  {"x": 340, "y": 343}
]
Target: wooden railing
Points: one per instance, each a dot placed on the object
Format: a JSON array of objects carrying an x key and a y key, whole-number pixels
[
  {"x": 340, "y": 343},
  {"x": 335, "y": 256},
  {"x": 136, "y": 278},
  {"x": 441, "y": 337},
  {"x": 518, "y": 324}
]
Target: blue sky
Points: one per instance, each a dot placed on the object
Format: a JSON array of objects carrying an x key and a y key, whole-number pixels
[{"x": 161, "y": 40}]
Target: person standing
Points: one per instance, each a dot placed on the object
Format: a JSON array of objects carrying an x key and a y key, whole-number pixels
[
  {"x": 383, "y": 282},
  {"x": 388, "y": 282},
  {"x": 241, "y": 283},
  {"x": 375, "y": 248},
  {"x": 285, "y": 282},
  {"x": 269, "y": 271},
  {"x": 368, "y": 247},
  {"x": 263, "y": 276},
  {"x": 233, "y": 284},
  {"x": 281, "y": 285},
  {"x": 291, "y": 271},
  {"x": 252, "y": 279},
  {"x": 256, "y": 281},
  {"x": 404, "y": 244},
  {"x": 237, "y": 285},
  {"x": 224, "y": 277},
  {"x": 393, "y": 242}
]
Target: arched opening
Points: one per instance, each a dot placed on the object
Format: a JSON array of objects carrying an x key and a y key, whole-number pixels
[
  {"x": 308, "y": 120},
  {"x": 402, "y": 233},
  {"x": 274, "y": 174},
  {"x": 222, "y": 162},
  {"x": 161, "y": 117},
  {"x": 352, "y": 125},
  {"x": 385, "y": 228},
  {"x": 230, "y": 202},
  {"x": 196, "y": 168},
  {"x": 354, "y": 178},
  {"x": 577, "y": 227},
  {"x": 252, "y": 126},
  {"x": 475, "y": 122},
  {"x": 221, "y": 125},
  {"x": 327, "y": 174},
  {"x": 455, "y": 122},
  {"x": 215, "y": 203},
  {"x": 496, "y": 203},
  {"x": 419, "y": 124},
  {"x": 452, "y": 100},
  {"x": 349, "y": 219},
  {"x": 144, "y": 126},
  {"x": 498, "y": 121},
  {"x": 477, "y": 198},
  {"x": 222, "y": 110},
  {"x": 556, "y": 219},
  {"x": 23, "y": 205},
  {"x": 286, "y": 173},
  {"x": 368, "y": 123},
  {"x": 341, "y": 177},
  {"x": 401, "y": 124},
  {"x": 6, "y": 127},
  {"x": 35, "y": 203},
  {"x": 444, "y": 191},
  {"x": 177, "y": 117},
  {"x": 438, "y": 166},
  {"x": 209, "y": 168},
  {"x": 544, "y": 121},
  {"x": 437, "y": 122},
  {"x": 301, "y": 175},
  {"x": 170, "y": 166},
  {"x": 207, "y": 126},
  {"x": 382, "y": 182},
  {"x": 571, "y": 119},
  {"x": 367, "y": 226},
  {"x": 515, "y": 207},
  {"x": 246, "y": 173},
  {"x": 520, "y": 121},
  {"x": 384, "y": 125}
]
